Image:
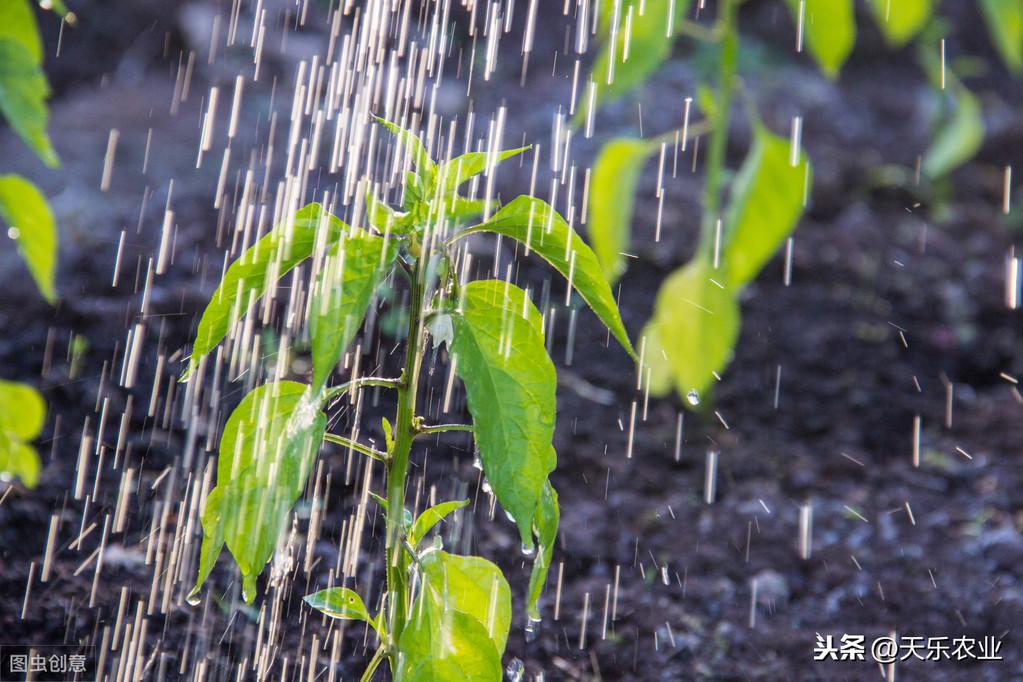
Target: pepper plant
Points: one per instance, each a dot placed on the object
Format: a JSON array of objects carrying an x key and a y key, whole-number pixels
[
  {"x": 24, "y": 210},
  {"x": 443, "y": 616},
  {"x": 690, "y": 337}
]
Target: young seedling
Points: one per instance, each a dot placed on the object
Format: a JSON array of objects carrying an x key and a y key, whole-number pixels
[{"x": 443, "y": 616}]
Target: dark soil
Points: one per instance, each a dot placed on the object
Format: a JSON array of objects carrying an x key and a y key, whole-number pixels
[{"x": 897, "y": 301}]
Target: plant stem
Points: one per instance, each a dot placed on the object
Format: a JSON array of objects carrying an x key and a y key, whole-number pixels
[
  {"x": 404, "y": 425},
  {"x": 374, "y": 663},
  {"x": 726, "y": 24},
  {"x": 441, "y": 428},
  {"x": 361, "y": 383}
]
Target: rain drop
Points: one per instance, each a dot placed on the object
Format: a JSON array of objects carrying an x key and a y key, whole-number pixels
[
  {"x": 528, "y": 551},
  {"x": 532, "y": 629},
  {"x": 693, "y": 397},
  {"x": 514, "y": 671}
]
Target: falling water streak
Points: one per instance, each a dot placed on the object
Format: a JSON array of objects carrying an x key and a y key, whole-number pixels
[
  {"x": 805, "y": 531},
  {"x": 710, "y": 474},
  {"x": 916, "y": 442}
]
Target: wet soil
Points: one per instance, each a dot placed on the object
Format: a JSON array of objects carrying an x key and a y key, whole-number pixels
[{"x": 896, "y": 309}]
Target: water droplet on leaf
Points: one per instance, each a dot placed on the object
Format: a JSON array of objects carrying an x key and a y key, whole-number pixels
[
  {"x": 532, "y": 629},
  {"x": 528, "y": 551},
  {"x": 693, "y": 397}
]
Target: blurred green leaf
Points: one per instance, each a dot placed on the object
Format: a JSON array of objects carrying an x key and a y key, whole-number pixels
[
  {"x": 829, "y": 31},
  {"x": 386, "y": 219},
  {"x": 430, "y": 518},
  {"x": 958, "y": 138},
  {"x": 252, "y": 274},
  {"x": 696, "y": 319},
  {"x": 23, "y": 94},
  {"x": 427, "y": 169},
  {"x": 499, "y": 354},
  {"x": 642, "y": 43},
  {"x": 536, "y": 224},
  {"x": 340, "y": 602},
  {"x": 344, "y": 287},
  {"x": 18, "y": 23},
  {"x": 22, "y": 415},
  {"x": 766, "y": 204},
  {"x": 1004, "y": 19},
  {"x": 545, "y": 526},
  {"x": 612, "y": 195},
  {"x": 901, "y": 20},
  {"x": 23, "y": 207}
]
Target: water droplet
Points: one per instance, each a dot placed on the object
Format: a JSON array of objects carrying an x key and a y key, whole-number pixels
[
  {"x": 477, "y": 462},
  {"x": 528, "y": 551},
  {"x": 514, "y": 670},
  {"x": 532, "y": 629},
  {"x": 486, "y": 486},
  {"x": 193, "y": 599},
  {"x": 693, "y": 397}
]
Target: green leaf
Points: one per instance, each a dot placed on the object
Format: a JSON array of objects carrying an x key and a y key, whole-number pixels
[
  {"x": 18, "y": 23},
  {"x": 249, "y": 277},
  {"x": 697, "y": 320},
  {"x": 19, "y": 460},
  {"x": 266, "y": 450},
  {"x": 344, "y": 287},
  {"x": 545, "y": 526},
  {"x": 23, "y": 94},
  {"x": 470, "y": 585},
  {"x": 1004, "y": 19},
  {"x": 534, "y": 223},
  {"x": 212, "y": 540},
  {"x": 461, "y": 168},
  {"x": 829, "y": 31},
  {"x": 22, "y": 415},
  {"x": 958, "y": 138},
  {"x": 766, "y": 204},
  {"x": 384, "y": 218},
  {"x": 612, "y": 194},
  {"x": 22, "y": 410},
  {"x": 439, "y": 645},
  {"x": 657, "y": 369},
  {"x": 420, "y": 157},
  {"x": 634, "y": 54},
  {"x": 901, "y": 20},
  {"x": 340, "y": 602},
  {"x": 430, "y": 518},
  {"x": 23, "y": 207},
  {"x": 498, "y": 351}
]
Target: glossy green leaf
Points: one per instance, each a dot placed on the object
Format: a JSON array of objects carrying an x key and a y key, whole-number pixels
[
  {"x": 425, "y": 166},
  {"x": 23, "y": 94},
  {"x": 545, "y": 526},
  {"x": 344, "y": 287},
  {"x": 23, "y": 207},
  {"x": 266, "y": 450},
  {"x": 18, "y": 23},
  {"x": 499, "y": 354},
  {"x": 612, "y": 194},
  {"x": 901, "y": 20},
  {"x": 829, "y": 31},
  {"x": 18, "y": 460},
  {"x": 461, "y": 168},
  {"x": 339, "y": 602},
  {"x": 534, "y": 223},
  {"x": 697, "y": 320},
  {"x": 439, "y": 645},
  {"x": 1004, "y": 19},
  {"x": 766, "y": 204},
  {"x": 430, "y": 518},
  {"x": 384, "y": 218},
  {"x": 958, "y": 138},
  {"x": 641, "y": 44},
  {"x": 252, "y": 274},
  {"x": 212, "y": 539},
  {"x": 471, "y": 585}
]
